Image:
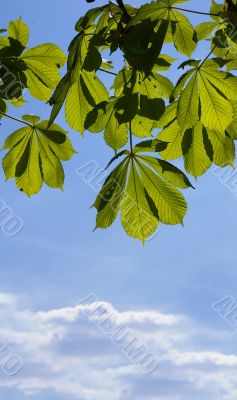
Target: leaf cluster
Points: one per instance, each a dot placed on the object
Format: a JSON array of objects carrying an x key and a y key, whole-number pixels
[{"x": 194, "y": 119}]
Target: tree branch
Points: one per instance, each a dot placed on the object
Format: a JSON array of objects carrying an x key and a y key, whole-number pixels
[{"x": 124, "y": 10}]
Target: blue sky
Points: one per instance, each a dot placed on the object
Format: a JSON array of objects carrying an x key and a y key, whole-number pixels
[{"x": 166, "y": 288}]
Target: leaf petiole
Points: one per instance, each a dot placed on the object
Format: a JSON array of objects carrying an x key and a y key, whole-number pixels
[{"x": 15, "y": 119}]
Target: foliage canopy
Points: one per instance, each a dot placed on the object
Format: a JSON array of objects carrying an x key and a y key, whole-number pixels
[{"x": 146, "y": 119}]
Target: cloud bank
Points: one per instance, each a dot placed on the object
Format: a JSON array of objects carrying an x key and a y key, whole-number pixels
[{"x": 66, "y": 355}]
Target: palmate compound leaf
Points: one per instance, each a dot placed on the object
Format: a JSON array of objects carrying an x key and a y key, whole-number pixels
[
  {"x": 143, "y": 43},
  {"x": 180, "y": 30},
  {"x": 35, "y": 154},
  {"x": 198, "y": 146},
  {"x": 144, "y": 190},
  {"x": 109, "y": 24},
  {"x": 117, "y": 115},
  {"x": 196, "y": 124},
  {"x": 154, "y": 11},
  {"x": 208, "y": 95},
  {"x": 36, "y": 69},
  {"x": 138, "y": 101}
]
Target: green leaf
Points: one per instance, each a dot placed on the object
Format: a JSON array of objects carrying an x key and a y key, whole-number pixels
[
  {"x": 154, "y": 11},
  {"x": 164, "y": 62},
  {"x": 89, "y": 18},
  {"x": 34, "y": 156},
  {"x": 106, "y": 64},
  {"x": 154, "y": 51},
  {"x": 19, "y": 30},
  {"x": 3, "y": 107},
  {"x": 115, "y": 134},
  {"x": 217, "y": 111},
  {"x": 83, "y": 55},
  {"x": 109, "y": 199},
  {"x": 196, "y": 160},
  {"x": 170, "y": 203},
  {"x": 82, "y": 96},
  {"x": 168, "y": 116},
  {"x": 167, "y": 171},
  {"x": 47, "y": 54},
  {"x": 183, "y": 79},
  {"x": 223, "y": 148},
  {"x": 149, "y": 110},
  {"x": 232, "y": 128},
  {"x": 214, "y": 89},
  {"x": 36, "y": 88},
  {"x": 136, "y": 216},
  {"x": 173, "y": 135},
  {"x": 152, "y": 86},
  {"x": 139, "y": 37},
  {"x": 11, "y": 51},
  {"x": 58, "y": 97},
  {"x": 118, "y": 155},
  {"x": 141, "y": 126},
  {"x": 150, "y": 146},
  {"x": 49, "y": 76},
  {"x": 181, "y": 29},
  {"x": 144, "y": 189},
  {"x": 76, "y": 107},
  {"x": 32, "y": 119},
  {"x": 4, "y": 41},
  {"x": 43, "y": 63},
  {"x": 183, "y": 33},
  {"x": 104, "y": 117},
  {"x": 17, "y": 102},
  {"x": 188, "y": 105},
  {"x": 205, "y": 29},
  {"x": 215, "y": 9}
]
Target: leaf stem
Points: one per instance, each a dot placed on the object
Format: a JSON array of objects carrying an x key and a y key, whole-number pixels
[
  {"x": 195, "y": 12},
  {"x": 15, "y": 119},
  {"x": 107, "y": 72},
  {"x": 130, "y": 137},
  {"x": 210, "y": 52}
]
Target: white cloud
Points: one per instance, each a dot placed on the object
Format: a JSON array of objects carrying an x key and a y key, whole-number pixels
[
  {"x": 65, "y": 352},
  {"x": 7, "y": 299},
  {"x": 71, "y": 314}
]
